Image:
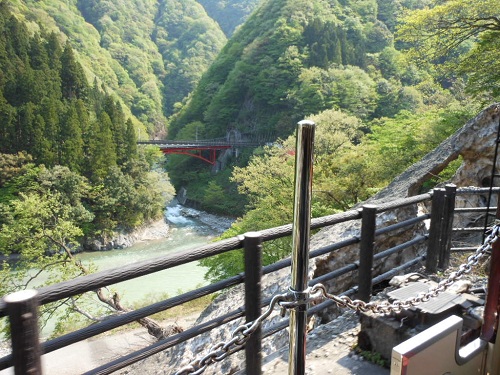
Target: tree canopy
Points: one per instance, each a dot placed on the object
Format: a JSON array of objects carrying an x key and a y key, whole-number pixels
[
  {"x": 460, "y": 35},
  {"x": 50, "y": 112}
]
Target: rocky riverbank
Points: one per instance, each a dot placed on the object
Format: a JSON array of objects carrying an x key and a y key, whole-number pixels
[
  {"x": 218, "y": 223},
  {"x": 147, "y": 232},
  {"x": 158, "y": 229}
]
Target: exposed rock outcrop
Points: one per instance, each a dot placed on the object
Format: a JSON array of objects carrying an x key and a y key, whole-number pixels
[
  {"x": 475, "y": 143},
  {"x": 148, "y": 232}
]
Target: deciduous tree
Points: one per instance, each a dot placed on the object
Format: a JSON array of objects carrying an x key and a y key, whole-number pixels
[{"x": 460, "y": 33}]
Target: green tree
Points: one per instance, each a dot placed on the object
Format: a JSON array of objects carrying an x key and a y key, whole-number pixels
[
  {"x": 73, "y": 80},
  {"x": 130, "y": 141},
  {"x": 118, "y": 127},
  {"x": 215, "y": 196},
  {"x": 461, "y": 35},
  {"x": 70, "y": 139},
  {"x": 25, "y": 127},
  {"x": 268, "y": 182},
  {"x": 49, "y": 109},
  {"x": 100, "y": 148},
  {"x": 12, "y": 165},
  {"x": 395, "y": 143},
  {"x": 41, "y": 228},
  {"x": 7, "y": 116}
]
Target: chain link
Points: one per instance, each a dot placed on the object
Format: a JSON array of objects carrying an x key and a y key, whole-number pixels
[
  {"x": 239, "y": 338},
  {"x": 292, "y": 299},
  {"x": 385, "y": 307}
]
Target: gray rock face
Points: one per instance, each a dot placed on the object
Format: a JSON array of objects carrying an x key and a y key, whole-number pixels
[
  {"x": 474, "y": 143},
  {"x": 150, "y": 231}
]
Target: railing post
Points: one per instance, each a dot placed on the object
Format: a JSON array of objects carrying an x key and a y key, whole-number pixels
[
  {"x": 491, "y": 306},
  {"x": 253, "y": 300},
  {"x": 447, "y": 226},
  {"x": 22, "y": 308},
  {"x": 300, "y": 245},
  {"x": 433, "y": 247},
  {"x": 366, "y": 249}
]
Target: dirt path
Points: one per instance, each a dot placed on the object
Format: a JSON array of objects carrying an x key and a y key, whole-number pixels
[{"x": 86, "y": 355}]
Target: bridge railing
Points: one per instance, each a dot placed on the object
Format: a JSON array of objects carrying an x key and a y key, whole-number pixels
[
  {"x": 436, "y": 242},
  {"x": 246, "y": 140}
]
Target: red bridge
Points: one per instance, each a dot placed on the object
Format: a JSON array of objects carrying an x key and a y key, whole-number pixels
[{"x": 205, "y": 150}]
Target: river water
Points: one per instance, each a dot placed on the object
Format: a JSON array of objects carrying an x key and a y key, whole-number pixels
[{"x": 184, "y": 233}]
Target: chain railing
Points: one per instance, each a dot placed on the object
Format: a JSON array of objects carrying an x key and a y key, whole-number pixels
[
  {"x": 238, "y": 340},
  {"x": 319, "y": 292},
  {"x": 299, "y": 296}
]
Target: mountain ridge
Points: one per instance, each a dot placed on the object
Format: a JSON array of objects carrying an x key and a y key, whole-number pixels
[{"x": 149, "y": 56}]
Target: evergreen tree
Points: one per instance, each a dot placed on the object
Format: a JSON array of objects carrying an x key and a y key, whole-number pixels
[
  {"x": 49, "y": 109},
  {"x": 130, "y": 141},
  {"x": 54, "y": 52},
  {"x": 70, "y": 140},
  {"x": 115, "y": 113},
  {"x": 19, "y": 43},
  {"x": 74, "y": 83},
  {"x": 38, "y": 145},
  {"x": 39, "y": 58},
  {"x": 101, "y": 148},
  {"x": 24, "y": 127},
  {"x": 7, "y": 115}
]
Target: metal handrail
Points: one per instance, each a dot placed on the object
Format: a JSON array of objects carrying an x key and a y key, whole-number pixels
[{"x": 91, "y": 282}]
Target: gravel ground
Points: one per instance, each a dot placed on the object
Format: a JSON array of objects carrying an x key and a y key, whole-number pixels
[{"x": 329, "y": 351}]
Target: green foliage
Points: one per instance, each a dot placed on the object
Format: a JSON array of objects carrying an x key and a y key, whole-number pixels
[
  {"x": 70, "y": 128},
  {"x": 375, "y": 358},
  {"x": 268, "y": 182},
  {"x": 150, "y": 54},
  {"x": 214, "y": 196},
  {"x": 335, "y": 61},
  {"x": 188, "y": 41},
  {"x": 394, "y": 144},
  {"x": 12, "y": 166},
  {"x": 47, "y": 212},
  {"x": 42, "y": 228},
  {"x": 229, "y": 14},
  {"x": 349, "y": 167},
  {"x": 292, "y": 59},
  {"x": 457, "y": 35}
]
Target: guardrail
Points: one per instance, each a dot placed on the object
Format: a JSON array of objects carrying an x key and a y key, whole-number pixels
[{"x": 21, "y": 308}]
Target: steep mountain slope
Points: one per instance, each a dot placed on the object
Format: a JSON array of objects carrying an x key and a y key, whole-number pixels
[
  {"x": 291, "y": 59},
  {"x": 150, "y": 53},
  {"x": 177, "y": 38},
  {"x": 189, "y": 41},
  {"x": 229, "y": 14}
]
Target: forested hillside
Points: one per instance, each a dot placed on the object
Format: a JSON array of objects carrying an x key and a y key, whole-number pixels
[
  {"x": 385, "y": 81},
  {"x": 150, "y": 54},
  {"x": 289, "y": 60},
  {"x": 295, "y": 58},
  {"x": 81, "y": 80},
  {"x": 292, "y": 59},
  {"x": 70, "y": 168},
  {"x": 57, "y": 127},
  {"x": 229, "y": 14}
]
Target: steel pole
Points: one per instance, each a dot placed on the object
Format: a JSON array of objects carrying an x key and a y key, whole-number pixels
[{"x": 300, "y": 244}]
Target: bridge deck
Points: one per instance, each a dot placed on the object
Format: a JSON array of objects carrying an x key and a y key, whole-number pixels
[{"x": 199, "y": 148}]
